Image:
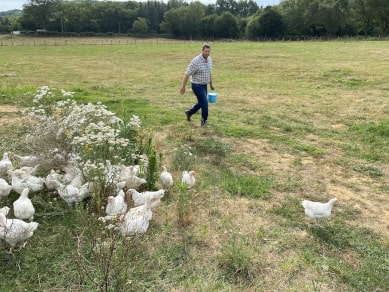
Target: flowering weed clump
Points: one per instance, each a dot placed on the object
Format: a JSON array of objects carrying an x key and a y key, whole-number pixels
[
  {"x": 184, "y": 157},
  {"x": 88, "y": 134}
]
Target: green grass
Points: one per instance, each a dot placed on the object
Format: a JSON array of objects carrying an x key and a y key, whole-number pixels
[
  {"x": 293, "y": 120},
  {"x": 371, "y": 140},
  {"x": 251, "y": 186}
]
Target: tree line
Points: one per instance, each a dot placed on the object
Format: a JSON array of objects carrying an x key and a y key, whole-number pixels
[{"x": 226, "y": 19}]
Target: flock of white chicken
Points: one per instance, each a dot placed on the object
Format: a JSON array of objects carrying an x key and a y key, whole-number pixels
[{"x": 72, "y": 188}]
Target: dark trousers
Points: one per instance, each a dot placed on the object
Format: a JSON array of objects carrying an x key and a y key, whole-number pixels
[{"x": 200, "y": 90}]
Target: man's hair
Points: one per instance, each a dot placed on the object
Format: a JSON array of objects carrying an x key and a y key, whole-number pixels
[{"x": 206, "y": 46}]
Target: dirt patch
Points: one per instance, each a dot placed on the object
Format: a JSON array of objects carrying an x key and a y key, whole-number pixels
[
  {"x": 9, "y": 114},
  {"x": 322, "y": 179}
]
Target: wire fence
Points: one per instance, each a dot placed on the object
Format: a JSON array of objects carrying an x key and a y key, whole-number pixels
[{"x": 76, "y": 41}]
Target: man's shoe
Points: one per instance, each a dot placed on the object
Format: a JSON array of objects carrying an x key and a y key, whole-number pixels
[
  {"x": 203, "y": 123},
  {"x": 188, "y": 116}
]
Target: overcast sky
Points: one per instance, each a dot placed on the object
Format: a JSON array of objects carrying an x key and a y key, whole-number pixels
[{"x": 6, "y": 5}]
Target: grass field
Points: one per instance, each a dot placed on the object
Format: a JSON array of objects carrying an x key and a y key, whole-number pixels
[{"x": 293, "y": 121}]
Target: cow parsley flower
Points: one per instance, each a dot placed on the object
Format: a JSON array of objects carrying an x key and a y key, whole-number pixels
[{"x": 134, "y": 122}]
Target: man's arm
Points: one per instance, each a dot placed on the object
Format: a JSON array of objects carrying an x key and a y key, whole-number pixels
[
  {"x": 184, "y": 81},
  {"x": 211, "y": 83}
]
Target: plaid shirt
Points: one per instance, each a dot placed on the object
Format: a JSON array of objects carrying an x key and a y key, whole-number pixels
[{"x": 200, "y": 70}]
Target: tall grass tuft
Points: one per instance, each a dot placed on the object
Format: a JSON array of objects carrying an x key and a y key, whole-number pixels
[
  {"x": 183, "y": 157},
  {"x": 152, "y": 166},
  {"x": 184, "y": 205},
  {"x": 236, "y": 259},
  {"x": 102, "y": 255}
]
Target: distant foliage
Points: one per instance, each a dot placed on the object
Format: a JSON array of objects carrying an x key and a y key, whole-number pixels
[{"x": 224, "y": 19}]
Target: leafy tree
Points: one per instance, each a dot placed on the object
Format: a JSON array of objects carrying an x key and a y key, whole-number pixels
[
  {"x": 196, "y": 12},
  {"x": 154, "y": 12},
  {"x": 184, "y": 21},
  {"x": 9, "y": 23},
  {"x": 382, "y": 8},
  {"x": 225, "y": 18},
  {"x": 207, "y": 26},
  {"x": 332, "y": 15},
  {"x": 172, "y": 21},
  {"x": 364, "y": 14},
  {"x": 372, "y": 16},
  {"x": 5, "y": 24},
  {"x": 140, "y": 26},
  {"x": 113, "y": 17},
  {"x": 88, "y": 20},
  {"x": 226, "y": 26},
  {"x": 211, "y": 9},
  {"x": 317, "y": 17},
  {"x": 242, "y": 25},
  {"x": 175, "y": 4},
  {"x": 269, "y": 24},
  {"x": 293, "y": 12},
  {"x": 74, "y": 18},
  {"x": 40, "y": 14},
  {"x": 246, "y": 7},
  {"x": 226, "y": 5}
]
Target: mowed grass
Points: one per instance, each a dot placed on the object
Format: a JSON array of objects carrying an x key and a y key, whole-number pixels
[{"x": 293, "y": 120}]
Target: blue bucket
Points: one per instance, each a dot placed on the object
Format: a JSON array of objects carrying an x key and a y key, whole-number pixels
[{"x": 212, "y": 96}]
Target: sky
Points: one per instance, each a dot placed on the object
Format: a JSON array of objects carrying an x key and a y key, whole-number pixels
[{"x": 6, "y": 5}]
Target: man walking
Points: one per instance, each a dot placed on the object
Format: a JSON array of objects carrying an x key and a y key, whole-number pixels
[{"x": 200, "y": 73}]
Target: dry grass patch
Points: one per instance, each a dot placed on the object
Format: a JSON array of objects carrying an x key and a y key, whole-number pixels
[
  {"x": 305, "y": 177},
  {"x": 9, "y": 114}
]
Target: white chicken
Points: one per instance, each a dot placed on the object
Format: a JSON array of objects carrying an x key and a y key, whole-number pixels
[
  {"x": 128, "y": 171},
  {"x": 5, "y": 189},
  {"x": 166, "y": 178},
  {"x": 5, "y": 164},
  {"x": 23, "y": 207},
  {"x": 78, "y": 180},
  {"x": 125, "y": 172},
  {"x": 26, "y": 171},
  {"x": 86, "y": 190},
  {"x": 116, "y": 205},
  {"x": 155, "y": 203},
  {"x": 4, "y": 210},
  {"x": 137, "y": 169},
  {"x": 14, "y": 231},
  {"x": 317, "y": 210},
  {"x": 136, "y": 220},
  {"x": 50, "y": 178},
  {"x": 35, "y": 183},
  {"x": 29, "y": 160},
  {"x": 188, "y": 178},
  {"x": 120, "y": 185},
  {"x": 18, "y": 185},
  {"x": 72, "y": 194},
  {"x": 134, "y": 182},
  {"x": 141, "y": 198},
  {"x": 72, "y": 171}
]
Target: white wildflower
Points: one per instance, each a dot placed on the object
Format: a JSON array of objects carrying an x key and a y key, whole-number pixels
[{"x": 134, "y": 122}]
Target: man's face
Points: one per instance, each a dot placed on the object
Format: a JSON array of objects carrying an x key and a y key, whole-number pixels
[{"x": 206, "y": 52}]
